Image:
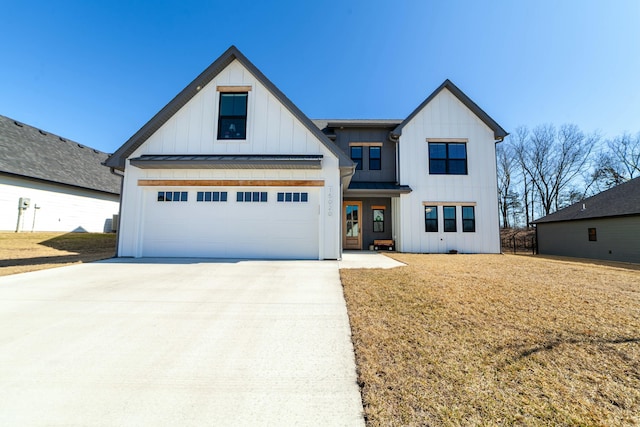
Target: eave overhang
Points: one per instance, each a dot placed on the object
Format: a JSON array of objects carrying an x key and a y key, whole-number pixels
[
  {"x": 266, "y": 161},
  {"x": 376, "y": 189}
]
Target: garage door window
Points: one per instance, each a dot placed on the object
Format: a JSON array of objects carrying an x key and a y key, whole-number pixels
[
  {"x": 293, "y": 197},
  {"x": 172, "y": 196},
  {"x": 212, "y": 196},
  {"x": 251, "y": 196}
]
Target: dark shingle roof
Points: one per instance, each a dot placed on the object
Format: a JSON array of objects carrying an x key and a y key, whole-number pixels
[
  {"x": 33, "y": 153},
  {"x": 621, "y": 200}
]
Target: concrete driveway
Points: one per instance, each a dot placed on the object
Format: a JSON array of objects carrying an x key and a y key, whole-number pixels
[{"x": 177, "y": 343}]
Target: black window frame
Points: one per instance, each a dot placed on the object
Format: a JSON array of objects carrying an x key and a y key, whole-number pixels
[
  {"x": 431, "y": 223},
  {"x": 173, "y": 196},
  {"x": 237, "y": 118},
  {"x": 292, "y": 197},
  {"x": 357, "y": 160},
  {"x": 211, "y": 196},
  {"x": 449, "y": 224},
  {"x": 468, "y": 224},
  {"x": 252, "y": 196},
  {"x": 593, "y": 234},
  {"x": 436, "y": 163},
  {"x": 375, "y": 163},
  {"x": 379, "y": 223}
]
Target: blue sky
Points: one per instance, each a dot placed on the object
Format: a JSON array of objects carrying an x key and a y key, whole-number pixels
[{"x": 96, "y": 71}]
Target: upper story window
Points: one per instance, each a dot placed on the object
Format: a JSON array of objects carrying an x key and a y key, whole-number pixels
[
  {"x": 232, "y": 119},
  {"x": 447, "y": 158},
  {"x": 356, "y": 156},
  {"x": 374, "y": 158}
]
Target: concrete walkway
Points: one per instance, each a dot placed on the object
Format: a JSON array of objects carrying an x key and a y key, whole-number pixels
[
  {"x": 367, "y": 259},
  {"x": 177, "y": 343}
]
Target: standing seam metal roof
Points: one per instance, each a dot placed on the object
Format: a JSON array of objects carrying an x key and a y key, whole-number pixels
[{"x": 33, "y": 153}]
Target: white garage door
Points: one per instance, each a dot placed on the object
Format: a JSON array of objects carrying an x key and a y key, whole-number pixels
[{"x": 272, "y": 223}]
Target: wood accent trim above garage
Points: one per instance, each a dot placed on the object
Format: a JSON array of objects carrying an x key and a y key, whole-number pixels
[{"x": 229, "y": 183}]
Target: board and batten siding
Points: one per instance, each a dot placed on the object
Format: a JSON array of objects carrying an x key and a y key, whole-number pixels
[
  {"x": 618, "y": 238},
  {"x": 271, "y": 129},
  {"x": 61, "y": 208},
  {"x": 447, "y": 118}
]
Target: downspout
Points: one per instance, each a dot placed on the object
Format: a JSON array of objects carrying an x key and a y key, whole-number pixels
[{"x": 113, "y": 171}]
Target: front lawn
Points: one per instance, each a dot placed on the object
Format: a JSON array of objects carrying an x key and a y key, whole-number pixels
[
  {"x": 496, "y": 340},
  {"x": 21, "y": 252}
]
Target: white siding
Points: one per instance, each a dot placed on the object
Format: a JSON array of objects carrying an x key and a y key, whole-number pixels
[
  {"x": 446, "y": 117},
  {"x": 271, "y": 129},
  {"x": 61, "y": 208}
]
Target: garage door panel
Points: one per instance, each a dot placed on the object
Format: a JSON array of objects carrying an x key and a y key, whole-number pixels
[{"x": 232, "y": 229}]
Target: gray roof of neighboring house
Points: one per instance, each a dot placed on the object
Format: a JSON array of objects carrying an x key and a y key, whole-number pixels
[
  {"x": 117, "y": 159},
  {"x": 621, "y": 200},
  {"x": 30, "y": 152},
  {"x": 498, "y": 132}
]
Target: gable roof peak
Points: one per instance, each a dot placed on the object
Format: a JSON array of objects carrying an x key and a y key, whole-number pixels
[
  {"x": 498, "y": 132},
  {"x": 118, "y": 158}
]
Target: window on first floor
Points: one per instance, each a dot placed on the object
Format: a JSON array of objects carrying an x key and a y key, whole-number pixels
[
  {"x": 251, "y": 196},
  {"x": 593, "y": 237},
  {"x": 378, "y": 220},
  {"x": 431, "y": 219},
  {"x": 172, "y": 196},
  {"x": 447, "y": 158},
  {"x": 211, "y": 196},
  {"x": 468, "y": 219},
  {"x": 232, "y": 117},
  {"x": 449, "y": 215},
  {"x": 356, "y": 156},
  {"x": 293, "y": 197},
  {"x": 374, "y": 158}
]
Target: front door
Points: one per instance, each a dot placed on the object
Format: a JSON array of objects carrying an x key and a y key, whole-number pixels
[{"x": 352, "y": 225}]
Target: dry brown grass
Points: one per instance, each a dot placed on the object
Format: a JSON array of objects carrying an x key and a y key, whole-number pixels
[
  {"x": 21, "y": 252},
  {"x": 496, "y": 340}
]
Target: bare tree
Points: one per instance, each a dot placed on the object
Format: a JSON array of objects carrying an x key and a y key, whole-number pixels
[
  {"x": 553, "y": 159},
  {"x": 621, "y": 161},
  {"x": 507, "y": 198},
  {"x": 520, "y": 139}
]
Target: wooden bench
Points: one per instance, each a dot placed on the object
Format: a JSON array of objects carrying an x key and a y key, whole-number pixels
[{"x": 383, "y": 244}]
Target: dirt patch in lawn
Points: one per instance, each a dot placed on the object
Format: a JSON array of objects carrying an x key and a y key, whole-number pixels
[
  {"x": 496, "y": 340},
  {"x": 22, "y": 252}
]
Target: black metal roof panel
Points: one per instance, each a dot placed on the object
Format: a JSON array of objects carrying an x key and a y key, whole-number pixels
[
  {"x": 233, "y": 161},
  {"x": 356, "y": 123},
  {"x": 498, "y": 132},
  {"x": 379, "y": 186},
  {"x": 621, "y": 200},
  {"x": 117, "y": 159},
  {"x": 34, "y": 153}
]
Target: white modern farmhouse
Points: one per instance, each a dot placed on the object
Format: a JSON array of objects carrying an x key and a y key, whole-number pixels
[{"x": 232, "y": 168}]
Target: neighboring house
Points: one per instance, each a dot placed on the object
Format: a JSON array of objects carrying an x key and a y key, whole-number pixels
[
  {"x": 49, "y": 183},
  {"x": 605, "y": 226},
  {"x": 232, "y": 168}
]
